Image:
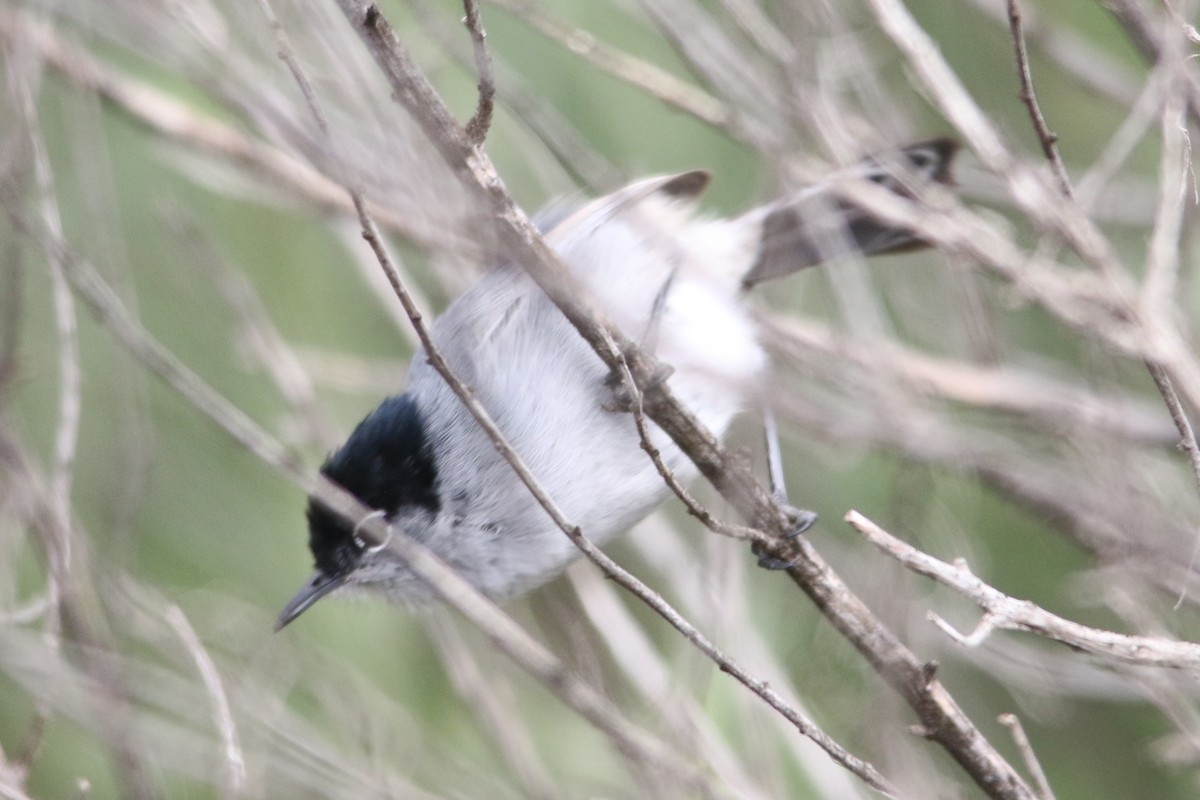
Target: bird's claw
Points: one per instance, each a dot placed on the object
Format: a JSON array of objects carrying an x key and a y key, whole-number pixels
[
  {"x": 801, "y": 520},
  {"x": 620, "y": 398}
]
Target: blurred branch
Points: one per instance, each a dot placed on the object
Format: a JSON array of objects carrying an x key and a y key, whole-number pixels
[
  {"x": 12, "y": 779},
  {"x": 1008, "y": 613},
  {"x": 741, "y": 81},
  {"x": 1050, "y": 403},
  {"x": 496, "y": 710},
  {"x": 182, "y": 124},
  {"x": 56, "y": 536},
  {"x": 235, "y": 763},
  {"x": 647, "y": 77},
  {"x": 1146, "y": 34},
  {"x": 265, "y": 346},
  {"x": 568, "y": 146},
  {"x": 1013, "y": 723}
]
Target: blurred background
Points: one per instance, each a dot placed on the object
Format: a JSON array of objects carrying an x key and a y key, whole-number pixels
[{"x": 144, "y": 553}]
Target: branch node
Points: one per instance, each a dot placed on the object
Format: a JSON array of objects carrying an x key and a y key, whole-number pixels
[{"x": 920, "y": 730}]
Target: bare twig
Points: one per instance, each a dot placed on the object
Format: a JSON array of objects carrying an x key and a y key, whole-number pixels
[
  {"x": 1048, "y": 138},
  {"x": 692, "y": 505},
  {"x": 1013, "y": 723},
  {"x": 481, "y": 120},
  {"x": 1089, "y": 65},
  {"x": 1187, "y": 435},
  {"x": 495, "y": 708},
  {"x": 57, "y": 542},
  {"x": 235, "y": 762},
  {"x": 656, "y": 82},
  {"x": 267, "y": 347},
  {"x": 1009, "y": 613},
  {"x": 1146, "y": 33},
  {"x": 565, "y": 143},
  {"x": 177, "y": 122}
]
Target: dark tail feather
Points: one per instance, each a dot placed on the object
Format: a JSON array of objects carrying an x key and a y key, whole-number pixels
[{"x": 814, "y": 226}]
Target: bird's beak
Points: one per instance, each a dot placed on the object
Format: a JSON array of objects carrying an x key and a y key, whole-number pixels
[{"x": 319, "y": 586}]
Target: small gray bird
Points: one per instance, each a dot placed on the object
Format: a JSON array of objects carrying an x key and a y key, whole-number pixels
[{"x": 676, "y": 281}]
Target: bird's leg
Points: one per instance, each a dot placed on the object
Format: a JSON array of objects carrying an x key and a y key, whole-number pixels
[
  {"x": 801, "y": 519},
  {"x": 620, "y": 398}
]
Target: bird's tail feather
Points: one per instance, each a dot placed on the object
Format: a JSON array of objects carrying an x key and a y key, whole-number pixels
[{"x": 815, "y": 226}]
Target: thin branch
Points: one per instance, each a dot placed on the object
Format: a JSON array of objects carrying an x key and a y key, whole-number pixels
[
  {"x": 481, "y": 120},
  {"x": 690, "y": 503},
  {"x": 267, "y": 348},
  {"x": 564, "y": 142},
  {"x": 1008, "y": 613},
  {"x": 647, "y": 77},
  {"x": 179, "y": 123},
  {"x": 496, "y": 709},
  {"x": 1047, "y": 401},
  {"x": 1145, "y": 33},
  {"x": 1047, "y": 137},
  {"x": 1013, "y": 723},
  {"x": 1076, "y": 56},
  {"x": 235, "y": 762},
  {"x": 1187, "y": 435},
  {"x": 56, "y": 534}
]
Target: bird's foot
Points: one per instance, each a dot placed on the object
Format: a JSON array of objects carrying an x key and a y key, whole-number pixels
[
  {"x": 620, "y": 398},
  {"x": 801, "y": 520}
]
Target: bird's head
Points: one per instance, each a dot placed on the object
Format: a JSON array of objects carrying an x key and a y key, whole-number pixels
[{"x": 388, "y": 464}]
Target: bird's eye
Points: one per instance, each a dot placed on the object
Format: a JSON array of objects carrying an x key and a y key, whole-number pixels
[
  {"x": 363, "y": 540},
  {"x": 920, "y": 159}
]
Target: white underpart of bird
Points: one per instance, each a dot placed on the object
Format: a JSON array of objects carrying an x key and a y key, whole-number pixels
[
  {"x": 670, "y": 280},
  {"x": 546, "y": 390}
]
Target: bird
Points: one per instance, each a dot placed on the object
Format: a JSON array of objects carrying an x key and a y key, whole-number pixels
[{"x": 671, "y": 279}]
